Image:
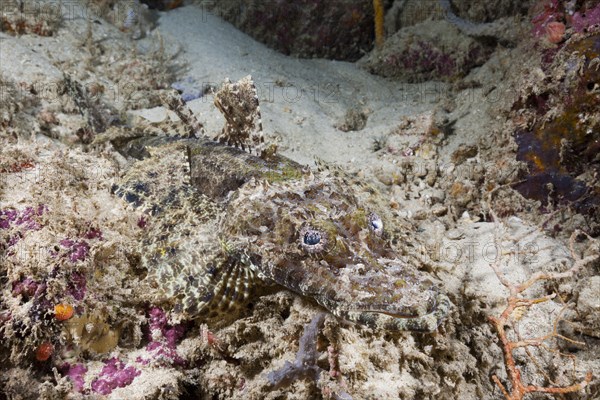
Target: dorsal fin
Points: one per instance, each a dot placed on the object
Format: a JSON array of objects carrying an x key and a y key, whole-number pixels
[
  {"x": 173, "y": 102},
  {"x": 238, "y": 102}
]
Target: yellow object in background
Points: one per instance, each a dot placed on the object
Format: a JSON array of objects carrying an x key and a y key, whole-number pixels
[
  {"x": 63, "y": 312},
  {"x": 379, "y": 29}
]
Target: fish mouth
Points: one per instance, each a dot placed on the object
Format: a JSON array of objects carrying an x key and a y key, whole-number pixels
[
  {"x": 426, "y": 302},
  {"x": 390, "y": 317},
  {"x": 390, "y": 287}
]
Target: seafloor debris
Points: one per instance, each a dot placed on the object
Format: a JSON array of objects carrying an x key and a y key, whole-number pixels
[
  {"x": 30, "y": 17},
  {"x": 305, "y": 365},
  {"x": 16, "y": 102},
  {"x": 355, "y": 119}
]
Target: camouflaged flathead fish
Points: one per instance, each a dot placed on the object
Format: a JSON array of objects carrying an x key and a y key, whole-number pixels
[{"x": 228, "y": 216}]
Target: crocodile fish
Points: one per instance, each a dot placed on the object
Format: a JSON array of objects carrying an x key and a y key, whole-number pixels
[{"x": 228, "y": 217}]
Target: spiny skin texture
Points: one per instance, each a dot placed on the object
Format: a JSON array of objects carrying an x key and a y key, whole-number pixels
[
  {"x": 224, "y": 222},
  {"x": 352, "y": 271},
  {"x": 277, "y": 223}
]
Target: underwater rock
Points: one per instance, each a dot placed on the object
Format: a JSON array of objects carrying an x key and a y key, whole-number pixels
[
  {"x": 405, "y": 13},
  {"x": 339, "y": 30},
  {"x": 434, "y": 50},
  {"x": 558, "y": 129},
  {"x": 481, "y": 11},
  {"x": 162, "y": 5},
  {"x": 443, "y": 40}
]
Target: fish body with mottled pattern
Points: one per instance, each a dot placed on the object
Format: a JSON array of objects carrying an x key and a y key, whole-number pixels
[
  {"x": 223, "y": 222},
  {"x": 222, "y": 219}
]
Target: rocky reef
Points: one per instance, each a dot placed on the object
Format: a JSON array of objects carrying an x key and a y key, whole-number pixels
[
  {"x": 339, "y": 30},
  {"x": 557, "y": 128},
  {"x": 496, "y": 170}
]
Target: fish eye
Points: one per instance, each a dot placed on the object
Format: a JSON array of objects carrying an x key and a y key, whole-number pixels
[
  {"x": 375, "y": 224},
  {"x": 312, "y": 240}
]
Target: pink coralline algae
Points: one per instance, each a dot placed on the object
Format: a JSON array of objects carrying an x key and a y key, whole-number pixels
[
  {"x": 552, "y": 12},
  {"x": 76, "y": 374},
  {"x": 7, "y": 217},
  {"x": 77, "y": 250},
  {"x": 26, "y": 220},
  {"x": 93, "y": 233},
  {"x": 26, "y": 287},
  {"x": 427, "y": 58},
  {"x": 583, "y": 20},
  {"x": 163, "y": 338},
  {"x": 77, "y": 285},
  {"x": 114, "y": 375},
  {"x": 142, "y": 222},
  {"x": 429, "y": 61}
]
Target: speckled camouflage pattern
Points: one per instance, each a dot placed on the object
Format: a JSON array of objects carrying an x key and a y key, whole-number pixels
[{"x": 222, "y": 222}]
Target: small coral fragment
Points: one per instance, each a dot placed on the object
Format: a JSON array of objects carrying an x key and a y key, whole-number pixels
[
  {"x": 63, "y": 312},
  {"x": 305, "y": 364},
  {"x": 555, "y": 31},
  {"x": 91, "y": 333},
  {"x": 44, "y": 351}
]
